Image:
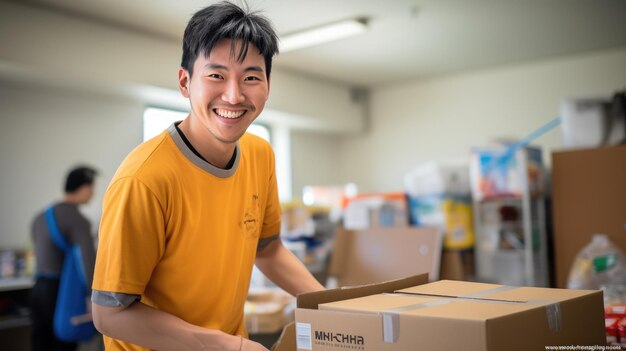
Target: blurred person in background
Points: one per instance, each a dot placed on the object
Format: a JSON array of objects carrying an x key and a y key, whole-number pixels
[
  {"x": 76, "y": 229},
  {"x": 189, "y": 212}
]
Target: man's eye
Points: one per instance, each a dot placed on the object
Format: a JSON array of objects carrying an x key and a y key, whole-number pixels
[
  {"x": 252, "y": 78},
  {"x": 215, "y": 75}
]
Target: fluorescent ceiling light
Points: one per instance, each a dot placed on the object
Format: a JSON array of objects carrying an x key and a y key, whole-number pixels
[{"x": 322, "y": 34}]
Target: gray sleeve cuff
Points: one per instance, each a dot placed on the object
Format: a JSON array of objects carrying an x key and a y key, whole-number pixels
[
  {"x": 113, "y": 299},
  {"x": 263, "y": 242}
]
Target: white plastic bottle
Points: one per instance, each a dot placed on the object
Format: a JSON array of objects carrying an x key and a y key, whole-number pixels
[{"x": 599, "y": 265}]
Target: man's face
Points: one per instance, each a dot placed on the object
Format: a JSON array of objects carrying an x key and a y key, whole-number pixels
[{"x": 226, "y": 96}]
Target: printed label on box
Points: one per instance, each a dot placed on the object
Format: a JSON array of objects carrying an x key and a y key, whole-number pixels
[{"x": 303, "y": 336}]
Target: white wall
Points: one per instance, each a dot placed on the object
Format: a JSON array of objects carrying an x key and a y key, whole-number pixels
[
  {"x": 314, "y": 160},
  {"x": 443, "y": 118},
  {"x": 44, "y": 133}
]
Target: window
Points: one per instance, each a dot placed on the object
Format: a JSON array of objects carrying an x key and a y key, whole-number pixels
[{"x": 155, "y": 120}]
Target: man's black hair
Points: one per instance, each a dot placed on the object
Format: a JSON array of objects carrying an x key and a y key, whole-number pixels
[
  {"x": 226, "y": 20},
  {"x": 78, "y": 177}
]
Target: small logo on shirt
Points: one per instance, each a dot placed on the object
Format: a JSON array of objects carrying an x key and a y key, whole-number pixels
[{"x": 250, "y": 218}]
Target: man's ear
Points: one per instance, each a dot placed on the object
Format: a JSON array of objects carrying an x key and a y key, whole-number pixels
[
  {"x": 183, "y": 81},
  {"x": 268, "y": 88}
]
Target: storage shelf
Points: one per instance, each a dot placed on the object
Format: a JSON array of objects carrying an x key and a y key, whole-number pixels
[
  {"x": 513, "y": 250},
  {"x": 14, "y": 322},
  {"x": 8, "y": 284}
]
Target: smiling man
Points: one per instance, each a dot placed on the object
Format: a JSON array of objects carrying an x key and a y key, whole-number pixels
[{"x": 189, "y": 212}]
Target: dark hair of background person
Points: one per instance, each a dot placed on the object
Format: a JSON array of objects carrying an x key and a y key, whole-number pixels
[
  {"x": 78, "y": 177},
  {"x": 226, "y": 20}
]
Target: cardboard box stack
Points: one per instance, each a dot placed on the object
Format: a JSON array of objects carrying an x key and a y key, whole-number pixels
[
  {"x": 439, "y": 195},
  {"x": 412, "y": 314}
]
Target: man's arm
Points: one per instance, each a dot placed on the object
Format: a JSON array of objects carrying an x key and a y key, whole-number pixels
[
  {"x": 284, "y": 269},
  {"x": 151, "y": 328}
]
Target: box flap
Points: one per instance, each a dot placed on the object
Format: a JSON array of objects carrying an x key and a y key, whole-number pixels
[
  {"x": 287, "y": 339},
  {"x": 312, "y": 300},
  {"x": 380, "y": 254}
]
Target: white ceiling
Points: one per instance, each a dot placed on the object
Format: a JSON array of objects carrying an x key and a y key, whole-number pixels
[{"x": 407, "y": 40}]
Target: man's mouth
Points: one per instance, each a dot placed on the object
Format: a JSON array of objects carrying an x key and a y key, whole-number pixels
[{"x": 229, "y": 113}]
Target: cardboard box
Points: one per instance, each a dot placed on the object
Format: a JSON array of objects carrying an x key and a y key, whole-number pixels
[
  {"x": 410, "y": 314},
  {"x": 287, "y": 339},
  {"x": 381, "y": 254},
  {"x": 589, "y": 196}
]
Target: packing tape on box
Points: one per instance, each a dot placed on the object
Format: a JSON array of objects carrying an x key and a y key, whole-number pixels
[
  {"x": 553, "y": 310},
  {"x": 487, "y": 292},
  {"x": 391, "y": 317},
  {"x": 391, "y": 327}
]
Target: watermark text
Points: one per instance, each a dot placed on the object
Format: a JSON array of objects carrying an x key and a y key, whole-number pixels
[{"x": 584, "y": 347}]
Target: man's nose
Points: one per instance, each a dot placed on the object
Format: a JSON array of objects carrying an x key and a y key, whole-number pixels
[{"x": 233, "y": 94}]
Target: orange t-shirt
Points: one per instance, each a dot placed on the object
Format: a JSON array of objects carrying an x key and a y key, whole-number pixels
[{"x": 183, "y": 234}]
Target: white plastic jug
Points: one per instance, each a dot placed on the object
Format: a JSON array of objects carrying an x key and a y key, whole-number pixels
[{"x": 598, "y": 265}]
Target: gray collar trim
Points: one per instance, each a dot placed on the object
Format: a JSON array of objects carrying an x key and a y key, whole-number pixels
[{"x": 207, "y": 167}]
